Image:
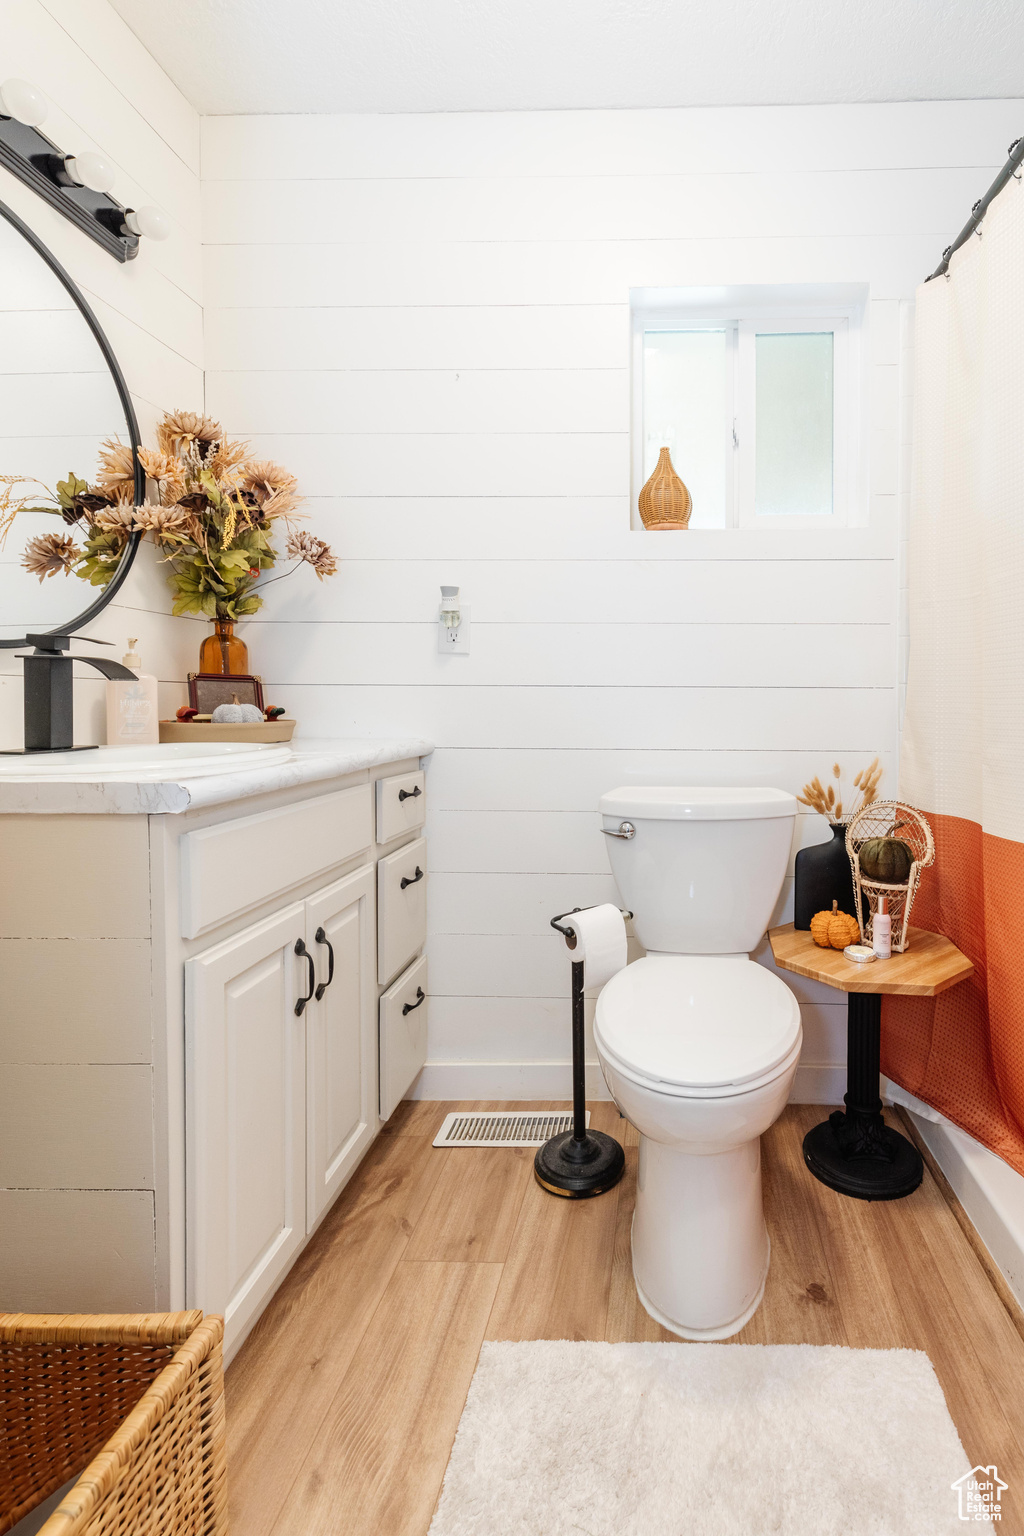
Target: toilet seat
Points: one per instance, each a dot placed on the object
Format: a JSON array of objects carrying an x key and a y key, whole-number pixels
[{"x": 702, "y": 1026}]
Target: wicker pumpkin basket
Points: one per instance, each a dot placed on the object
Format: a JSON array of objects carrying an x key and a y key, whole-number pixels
[
  {"x": 889, "y": 818},
  {"x": 133, "y": 1404}
]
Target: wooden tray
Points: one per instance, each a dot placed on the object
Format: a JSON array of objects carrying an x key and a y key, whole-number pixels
[{"x": 205, "y": 730}]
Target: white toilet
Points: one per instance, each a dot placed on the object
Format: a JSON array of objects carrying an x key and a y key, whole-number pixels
[{"x": 698, "y": 1043}]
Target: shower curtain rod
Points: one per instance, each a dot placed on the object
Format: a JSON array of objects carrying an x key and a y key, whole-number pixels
[{"x": 978, "y": 212}]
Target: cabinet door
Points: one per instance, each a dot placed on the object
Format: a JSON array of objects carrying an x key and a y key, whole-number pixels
[
  {"x": 341, "y": 1043},
  {"x": 245, "y": 1118}
]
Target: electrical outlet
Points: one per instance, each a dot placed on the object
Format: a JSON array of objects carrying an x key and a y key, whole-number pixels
[{"x": 454, "y": 642}]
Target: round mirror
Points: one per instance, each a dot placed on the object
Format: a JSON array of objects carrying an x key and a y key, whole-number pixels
[{"x": 69, "y": 464}]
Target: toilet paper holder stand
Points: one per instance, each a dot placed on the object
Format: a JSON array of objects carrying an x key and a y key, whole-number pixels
[
  {"x": 579, "y": 1163},
  {"x": 570, "y": 933}
]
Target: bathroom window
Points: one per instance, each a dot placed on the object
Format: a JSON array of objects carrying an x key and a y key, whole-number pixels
[{"x": 758, "y": 410}]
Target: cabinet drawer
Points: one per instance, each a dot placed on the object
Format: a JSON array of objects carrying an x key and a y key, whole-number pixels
[
  {"x": 235, "y": 866},
  {"x": 401, "y": 907},
  {"x": 403, "y": 1035},
  {"x": 401, "y": 805}
]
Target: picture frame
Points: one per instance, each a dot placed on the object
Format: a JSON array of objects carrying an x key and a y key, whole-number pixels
[{"x": 208, "y": 689}]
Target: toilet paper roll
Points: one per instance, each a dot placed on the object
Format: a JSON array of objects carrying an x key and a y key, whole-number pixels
[{"x": 600, "y": 942}]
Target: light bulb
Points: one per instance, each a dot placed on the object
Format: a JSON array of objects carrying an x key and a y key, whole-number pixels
[
  {"x": 149, "y": 222},
  {"x": 90, "y": 171},
  {"x": 23, "y": 102}
]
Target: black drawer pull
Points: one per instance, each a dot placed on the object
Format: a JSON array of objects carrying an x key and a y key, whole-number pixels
[
  {"x": 409, "y": 794},
  {"x": 322, "y": 938},
  {"x": 300, "y": 949},
  {"x": 421, "y": 997},
  {"x": 416, "y": 877}
]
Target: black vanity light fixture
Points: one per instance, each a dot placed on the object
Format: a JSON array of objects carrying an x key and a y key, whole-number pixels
[{"x": 78, "y": 186}]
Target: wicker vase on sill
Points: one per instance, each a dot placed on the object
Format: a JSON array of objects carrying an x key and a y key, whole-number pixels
[
  {"x": 223, "y": 652},
  {"x": 664, "y": 501}
]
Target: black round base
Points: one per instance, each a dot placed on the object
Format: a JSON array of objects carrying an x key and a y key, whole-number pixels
[
  {"x": 865, "y": 1178},
  {"x": 578, "y": 1170},
  {"x": 35, "y": 751}
]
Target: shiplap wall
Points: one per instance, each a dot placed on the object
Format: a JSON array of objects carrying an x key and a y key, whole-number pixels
[
  {"x": 427, "y": 319},
  {"x": 107, "y": 94}
]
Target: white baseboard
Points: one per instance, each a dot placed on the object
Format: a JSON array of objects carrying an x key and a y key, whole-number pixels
[
  {"x": 819, "y": 1085},
  {"x": 517, "y": 1080},
  {"x": 990, "y": 1191},
  {"x": 504, "y": 1080}
]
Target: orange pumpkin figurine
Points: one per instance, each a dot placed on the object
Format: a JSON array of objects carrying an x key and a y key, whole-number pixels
[{"x": 835, "y": 929}]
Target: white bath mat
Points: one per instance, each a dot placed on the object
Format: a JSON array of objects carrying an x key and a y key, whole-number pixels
[{"x": 562, "y": 1439}]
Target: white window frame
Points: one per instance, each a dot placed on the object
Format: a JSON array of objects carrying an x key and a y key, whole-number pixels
[{"x": 742, "y": 321}]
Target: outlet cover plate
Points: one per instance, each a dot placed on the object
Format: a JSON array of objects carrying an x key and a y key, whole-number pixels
[{"x": 454, "y": 642}]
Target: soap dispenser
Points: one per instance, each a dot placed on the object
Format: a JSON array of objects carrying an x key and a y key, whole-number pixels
[{"x": 133, "y": 714}]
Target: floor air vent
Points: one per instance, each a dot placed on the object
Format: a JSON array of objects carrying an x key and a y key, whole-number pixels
[{"x": 499, "y": 1128}]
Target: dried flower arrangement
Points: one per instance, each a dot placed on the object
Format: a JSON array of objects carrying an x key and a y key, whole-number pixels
[
  {"x": 213, "y": 518},
  {"x": 829, "y": 802}
]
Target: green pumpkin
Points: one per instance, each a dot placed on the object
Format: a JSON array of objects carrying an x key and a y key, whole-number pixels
[{"x": 887, "y": 859}]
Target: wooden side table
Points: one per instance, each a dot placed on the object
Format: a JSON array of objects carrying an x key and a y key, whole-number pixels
[{"x": 854, "y": 1151}]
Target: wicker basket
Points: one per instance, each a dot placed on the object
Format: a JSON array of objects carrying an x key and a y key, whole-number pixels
[
  {"x": 135, "y": 1400},
  {"x": 889, "y": 818}
]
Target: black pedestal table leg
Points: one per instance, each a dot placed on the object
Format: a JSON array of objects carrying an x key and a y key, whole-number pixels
[{"x": 854, "y": 1151}]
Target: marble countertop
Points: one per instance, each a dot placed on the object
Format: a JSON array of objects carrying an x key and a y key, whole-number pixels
[{"x": 161, "y": 792}]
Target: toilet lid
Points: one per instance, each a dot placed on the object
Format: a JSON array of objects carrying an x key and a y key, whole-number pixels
[{"x": 698, "y": 1021}]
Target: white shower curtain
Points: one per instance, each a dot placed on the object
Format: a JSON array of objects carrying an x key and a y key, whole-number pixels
[{"x": 962, "y": 758}]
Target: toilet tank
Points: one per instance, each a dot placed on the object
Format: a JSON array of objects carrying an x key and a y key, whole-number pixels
[{"x": 703, "y": 870}]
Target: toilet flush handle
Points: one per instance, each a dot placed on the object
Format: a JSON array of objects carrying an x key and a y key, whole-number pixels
[{"x": 626, "y": 829}]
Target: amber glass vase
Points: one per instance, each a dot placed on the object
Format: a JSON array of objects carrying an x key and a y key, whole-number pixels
[{"x": 223, "y": 652}]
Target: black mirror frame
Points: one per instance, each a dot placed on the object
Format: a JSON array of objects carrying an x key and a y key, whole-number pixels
[{"x": 135, "y": 539}]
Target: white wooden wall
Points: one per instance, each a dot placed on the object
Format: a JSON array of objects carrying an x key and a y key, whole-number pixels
[
  {"x": 427, "y": 319},
  {"x": 107, "y": 94}
]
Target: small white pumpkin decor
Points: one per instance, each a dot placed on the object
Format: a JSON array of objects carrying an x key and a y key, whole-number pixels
[{"x": 236, "y": 714}]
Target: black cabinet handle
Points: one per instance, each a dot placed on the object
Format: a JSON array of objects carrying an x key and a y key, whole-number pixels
[
  {"x": 409, "y": 794},
  {"x": 322, "y": 938},
  {"x": 421, "y": 997},
  {"x": 300, "y": 949},
  {"x": 416, "y": 877}
]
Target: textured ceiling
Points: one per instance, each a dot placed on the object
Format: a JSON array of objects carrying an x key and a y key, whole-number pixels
[{"x": 492, "y": 55}]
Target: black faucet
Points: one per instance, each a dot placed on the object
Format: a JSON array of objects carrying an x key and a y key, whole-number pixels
[{"x": 49, "y": 691}]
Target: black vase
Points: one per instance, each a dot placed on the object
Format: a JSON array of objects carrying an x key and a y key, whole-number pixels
[{"x": 823, "y": 875}]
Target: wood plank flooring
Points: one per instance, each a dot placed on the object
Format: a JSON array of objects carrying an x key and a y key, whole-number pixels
[{"x": 344, "y": 1402}]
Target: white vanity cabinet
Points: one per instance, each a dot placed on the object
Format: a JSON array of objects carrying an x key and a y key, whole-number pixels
[
  {"x": 403, "y": 1034},
  {"x": 402, "y": 903},
  {"x": 341, "y": 1037},
  {"x": 280, "y": 1097},
  {"x": 205, "y": 1052},
  {"x": 245, "y": 1117}
]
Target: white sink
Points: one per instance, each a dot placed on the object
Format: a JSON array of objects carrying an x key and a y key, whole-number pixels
[{"x": 176, "y": 759}]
